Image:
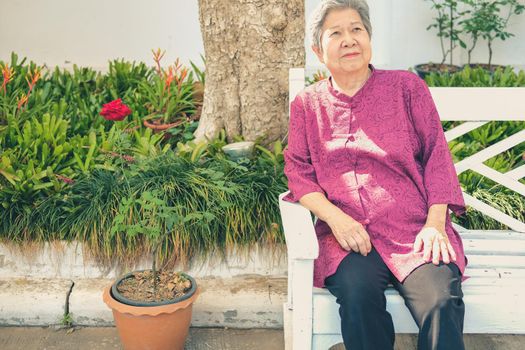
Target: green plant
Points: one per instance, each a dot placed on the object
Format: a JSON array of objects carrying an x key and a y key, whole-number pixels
[
  {"x": 446, "y": 25},
  {"x": 169, "y": 93},
  {"x": 488, "y": 22},
  {"x": 124, "y": 77},
  {"x": 478, "y": 77},
  {"x": 317, "y": 76},
  {"x": 39, "y": 150},
  {"x": 147, "y": 143},
  {"x": 199, "y": 73},
  {"x": 473, "y": 24},
  {"x": 156, "y": 218},
  {"x": 66, "y": 320}
]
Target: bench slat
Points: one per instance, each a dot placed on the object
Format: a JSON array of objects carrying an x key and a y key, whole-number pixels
[
  {"x": 495, "y": 234},
  {"x": 493, "y": 272},
  {"x": 498, "y": 261},
  {"x": 493, "y": 247}
]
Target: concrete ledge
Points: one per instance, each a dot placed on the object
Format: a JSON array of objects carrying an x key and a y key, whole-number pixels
[
  {"x": 250, "y": 301},
  {"x": 33, "y": 302},
  {"x": 243, "y": 289},
  {"x": 241, "y": 302},
  {"x": 65, "y": 260},
  {"x": 85, "y": 303}
]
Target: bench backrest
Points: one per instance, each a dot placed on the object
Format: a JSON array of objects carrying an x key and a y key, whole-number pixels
[{"x": 476, "y": 107}]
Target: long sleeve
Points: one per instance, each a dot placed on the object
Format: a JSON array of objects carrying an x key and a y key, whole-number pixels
[
  {"x": 439, "y": 174},
  {"x": 298, "y": 167}
]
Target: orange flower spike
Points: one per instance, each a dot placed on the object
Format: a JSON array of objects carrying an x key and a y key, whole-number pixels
[
  {"x": 36, "y": 75},
  {"x": 168, "y": 77},
  {"x": 32, "y": 79},
  {"x": 22, "y": 101},
  {"x": 157, "y": 56},
  {"x": 181, "y": 77},
  {"x": 177, "y": 64},
  {"x": 7, "y": 74}
]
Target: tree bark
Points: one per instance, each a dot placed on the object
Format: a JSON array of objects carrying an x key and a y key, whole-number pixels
[{"x": 249, "y": 47}]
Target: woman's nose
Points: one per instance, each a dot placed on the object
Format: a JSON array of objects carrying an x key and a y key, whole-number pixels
[{"x": 348, "y": 42}]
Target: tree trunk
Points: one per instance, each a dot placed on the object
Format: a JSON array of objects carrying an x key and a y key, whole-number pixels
[{"x": 249, "y": 46}]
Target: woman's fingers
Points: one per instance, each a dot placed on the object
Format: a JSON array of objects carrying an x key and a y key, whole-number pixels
[
  {"x": 451, "y": 251},
  {"x": 343, "y": 243},
  {"x": 353, "y": 244},
  {"x": 436, "y": 246},
  {"x": 444, "y": 250},
  {"x": 418, "y": 244},
  {"x": 435, "y": 250},
  {"x": 363, "y": 241},
  {"x": 427, "y": 248}
]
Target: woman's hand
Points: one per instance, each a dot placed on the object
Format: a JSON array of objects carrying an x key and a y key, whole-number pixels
[
  {"x": 349, "y": 233},
  {"x": 434, "y": 242}
]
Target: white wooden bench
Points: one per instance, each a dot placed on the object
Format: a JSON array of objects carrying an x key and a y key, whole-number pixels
[{"x": 495, "y": 293}]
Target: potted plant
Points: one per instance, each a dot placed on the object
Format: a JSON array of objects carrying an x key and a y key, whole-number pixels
[
  {"x": 152, "y": 308},
  {"x": 487, "y": 22},
  {"x": 445, "y": 23},
  {"x": 170, "y": 95}
]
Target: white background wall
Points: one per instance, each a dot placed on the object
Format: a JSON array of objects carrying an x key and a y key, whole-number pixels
[{"x": 90, "y": 32}]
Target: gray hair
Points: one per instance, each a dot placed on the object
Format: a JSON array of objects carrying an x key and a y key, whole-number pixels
[{"x": 318, "y": 16}]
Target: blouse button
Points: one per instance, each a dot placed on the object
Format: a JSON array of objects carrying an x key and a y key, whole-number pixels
[
  {"x": 367, "y": 221},
  {"x": 351, "y": 138}
]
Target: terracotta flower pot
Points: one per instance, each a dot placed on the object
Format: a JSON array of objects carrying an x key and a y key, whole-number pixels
[{"x": 163, "y": 327}]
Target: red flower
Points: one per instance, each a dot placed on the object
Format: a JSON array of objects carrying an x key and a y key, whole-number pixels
[{"x": 115, "y": 110}]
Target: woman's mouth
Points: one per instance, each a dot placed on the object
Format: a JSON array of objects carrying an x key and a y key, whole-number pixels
[{"x": 350, "y": 55}]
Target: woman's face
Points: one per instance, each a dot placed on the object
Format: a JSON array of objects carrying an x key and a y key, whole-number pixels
[{"x": 345, "y": 43}]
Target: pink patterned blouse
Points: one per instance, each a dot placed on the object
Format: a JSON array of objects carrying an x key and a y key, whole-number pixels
[{"x": 380, "y": 156}]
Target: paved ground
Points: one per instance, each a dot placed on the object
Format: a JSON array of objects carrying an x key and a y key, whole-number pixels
[{"x": 38, "y": 338}]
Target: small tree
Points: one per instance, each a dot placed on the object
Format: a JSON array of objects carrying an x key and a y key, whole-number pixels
[
  {"x": 154, "y": 219},
  {"x": 492, "y": 23},
  {"x": 445, "y": 23},
  {"x": 474, "y": 24}
]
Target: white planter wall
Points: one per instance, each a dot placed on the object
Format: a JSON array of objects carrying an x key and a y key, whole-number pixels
[{"x": 89, "y": 33}]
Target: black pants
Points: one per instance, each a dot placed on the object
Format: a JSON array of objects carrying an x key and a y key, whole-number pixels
[{"x": 431, "y": 292}]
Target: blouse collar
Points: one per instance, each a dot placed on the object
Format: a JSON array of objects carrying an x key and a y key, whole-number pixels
[{"x": 341, "y": 95}]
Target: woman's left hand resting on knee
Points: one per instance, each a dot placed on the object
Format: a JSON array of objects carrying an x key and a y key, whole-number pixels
[
  {"x": 349, "y": 233},
  {"x": 433, "y": 237}
]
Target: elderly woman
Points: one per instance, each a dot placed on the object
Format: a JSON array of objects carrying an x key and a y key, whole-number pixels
[{"x": 367, "y": 155}]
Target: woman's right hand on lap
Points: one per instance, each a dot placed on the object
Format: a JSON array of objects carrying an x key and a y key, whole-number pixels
[{"x": 350, "y": 234}]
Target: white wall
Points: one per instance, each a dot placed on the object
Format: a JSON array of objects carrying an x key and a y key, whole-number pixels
[{"x": 90, "y": 32}]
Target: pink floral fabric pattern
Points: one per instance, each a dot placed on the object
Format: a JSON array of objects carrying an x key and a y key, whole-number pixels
[{"x": 381, "y": 157}]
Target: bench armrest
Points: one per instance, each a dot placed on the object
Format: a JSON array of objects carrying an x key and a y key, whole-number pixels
[{"x": 299, "y": 232}]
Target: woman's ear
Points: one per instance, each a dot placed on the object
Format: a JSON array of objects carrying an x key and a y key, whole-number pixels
[{"x": 319, "y": 53}]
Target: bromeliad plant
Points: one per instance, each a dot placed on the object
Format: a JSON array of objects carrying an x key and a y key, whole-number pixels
[{"x": 169, "y": 95}]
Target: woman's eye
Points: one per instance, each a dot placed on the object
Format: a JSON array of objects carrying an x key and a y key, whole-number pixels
[
  {"x": 334, "y": 33},
  {"x": 357, "y": 28}
]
